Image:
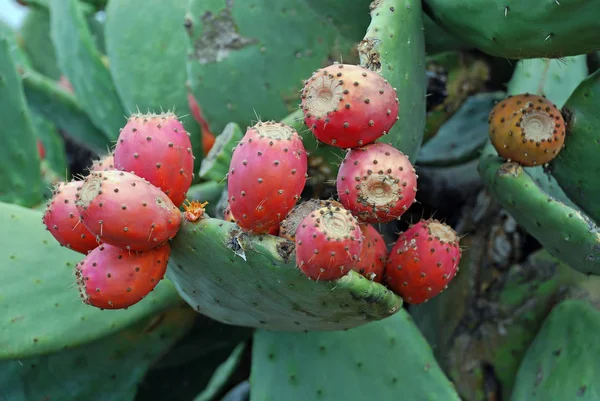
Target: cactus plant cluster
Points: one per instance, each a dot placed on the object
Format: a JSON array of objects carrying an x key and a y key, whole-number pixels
[{"x": 214, "y": 200}]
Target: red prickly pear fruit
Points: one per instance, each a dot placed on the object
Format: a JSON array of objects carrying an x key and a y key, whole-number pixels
[
  {"x": 106, "y": 163},
  {"x": 377, "y": 183},
  {"x": 527, "y": 129},
  {"x": 372, "y": 259},
  {"x": 41, "y": 150},
  {"x": 228, "y": 216},
  {"x": 113, "y": 278},
  {"x": 423, "y": 261},
  {"x": 62, "y": 219},
  {"x": 267, "y": 174},
  {"x": 288, "y": 227},
  {"x": 157, "y": 147},
  {"x": 348, "y": 105},
  {"x": 208, "y": 138},
  {"x": 127, "y": 211},
  {"x": 328, "y": 243}
]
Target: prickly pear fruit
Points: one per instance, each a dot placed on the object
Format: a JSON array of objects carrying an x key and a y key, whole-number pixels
[
  {"x": 228, "y": 216},
  {"x": 157, "y": 147},
  {"x": 62, "y": 219},
  {"x": 112, "y": 278},
  {"x": 348, "y": 105},
  {"x": 266, "y": 176},
  {"x": 423, "y": 261},
  {"x": 328, "y": 243},
  {"x": 104, "y": 164},
  {"x": 372, "y": 259},
  {"x": 127, "y": 211},
  {"x": 527, "y": 129},
  {"x": 377, "y": 183},
  {"x": 41, "y": 150},
  {"x": 208, "y": 138},
  {"x": 288, "y": 227}
]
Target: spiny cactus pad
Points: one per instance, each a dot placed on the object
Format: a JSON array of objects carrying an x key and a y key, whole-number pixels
[
  {"x": 250, "y": 280},
  {"x": 387, "y": 360},
  {"x": 40, "y": 308}
]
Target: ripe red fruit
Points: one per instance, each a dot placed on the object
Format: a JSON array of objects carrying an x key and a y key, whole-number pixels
[
  {"x": 112, "y": 278},
  {"x": 157, "y": 147},
  {"x": 127, "y": 211},
  {"x": 62, "y": 219},
  {"x": 208, "y": 138},
  {"x": 373, "y": 257},
  {"x": 423, "y": 261},
  {"x": 267, "y": 174},
  {"x": 377, "y": 183},
  {"x": 41, "y": 150},
  {"x": 348, "y": 105},
  {"x": 328, "y": 243},
  {"x": 288, "y": 227},
  {"x": 104, "y": 164},
  {"x": 228, "y": 216}
]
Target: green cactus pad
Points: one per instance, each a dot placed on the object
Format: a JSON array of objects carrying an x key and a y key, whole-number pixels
[
  {"x": 81, "y": 62},
  {"x": 146, "y": 46},
  {"x": 247, "y": 60},
  {"x": 54, "y": 145},
  {"x": 461, "y": 138},
  {"x": 222, "y": 374},
  {"x": 394, "y": 45},
  {"x": 21, "y": 181},
  {"x": 566, "y": 233},
  {"x": 577, "y": 166},
  {"x": 40, "y": 308},
  {"x": 215, "y": 165},
  {"x": 35, "y": 36},
  {"x": 45, "y": 97},
  {"x": 253, "y": 281},
  {"x": 385, "y": 360},
  {"x": 563, "y": 363},
  {"x": 109, "y": 368},
  {"x": 519, "y": 29}
]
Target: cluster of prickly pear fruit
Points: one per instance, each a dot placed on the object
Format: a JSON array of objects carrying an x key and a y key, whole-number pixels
[
  {"x": 348, "y": 107},
  {"x": 124, "y": 212}
]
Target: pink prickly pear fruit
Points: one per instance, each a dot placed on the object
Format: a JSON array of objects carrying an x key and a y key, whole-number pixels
[
  {"x": 113, "y": 278},
  {"x": 228, "y": 216},
  {"x": 423, "y": 261},
  {"x": 104, "y": 164},
  {"x": 328, "y": 243},
  {"x": 157, "y": 147},
  {"x": 127, "y": 211},
  {"x": 62, "y": 219},
  {"x": 377, "y": 183},
  {"x": 372, "y": 259},
  {"x": 267, "y": 175},
  {"x": 348, "y": 105}
]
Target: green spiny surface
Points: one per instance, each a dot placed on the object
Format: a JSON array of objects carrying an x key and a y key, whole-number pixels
[
  {"x": 437, "y": 39},
  {"x": 40, "y": 308},
  {"x": 108, "y": 369},
  {"x": 555, "y": 79},
  {"x": 21, "y": 181},
  {"x": 517, "y": 29},
  {"x": 577, "y": 166},
  {"x": 563, "y": 362},
  {"x": 209, "y": 191},
  {"x": 385, "y": 360},
  {"x": 146, "y": 46},
  {"x": 566, "y": 233},
  {"x": 54, "y": 145},
  {"x": 461, "y": 138},
  {"x": 351, "y": 17},
  {"x": 81, "y": 62},
  {"x": 247, "y": 60},
  {"x": 253, "y": 281},
  {"x": 45, "y": 97},
  {"x": 20, "y": 57},
  {"x": 35, "y": 36},
  {"x": 394, "y": 45},
  {"x": 215, "y": 165}
]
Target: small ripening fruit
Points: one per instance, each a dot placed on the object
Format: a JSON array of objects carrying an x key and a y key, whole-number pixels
[
  {"x": 328, "y": 243},
  {"x": 157, "y": 147},
  {"x": 348, "y": 105},
  {"x": 527, "y": 129},
  {"x": 228, "y": 216},
  {"x": 62, "y": 219},
  {"x": 127, "y": 211},
  {"x": 373, "y": 257},
  {"x": 112, "y": 278},
  {"x": 104, "y": 164},
  {"x": 41, "y": 150},
  {"x": 377, "y": 183},
  {"x": 423, "y": 261},
  {"x": 288, "y": 227},
  {"x": 267, "y": 174}
]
